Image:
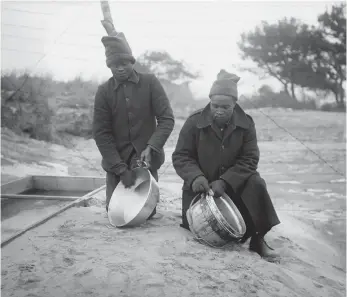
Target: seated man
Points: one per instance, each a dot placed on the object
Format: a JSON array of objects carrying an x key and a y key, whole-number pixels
[
  {"x": 217, "y": 149},
  {"x": 133, "y": 117}
]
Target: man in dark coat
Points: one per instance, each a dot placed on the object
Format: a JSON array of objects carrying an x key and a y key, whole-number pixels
[
  {"x": 133, "y": 117},
  {"x": 217, "y": 149}
]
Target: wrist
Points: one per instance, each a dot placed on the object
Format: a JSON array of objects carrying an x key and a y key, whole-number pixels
[
  {"x": 153, "y": 147},
  {"x": 122, "y": 170},
  {"x": 198, "y": 177},
  {"x": 224, "y": 183},
  {"x": 194, "y": 180}
]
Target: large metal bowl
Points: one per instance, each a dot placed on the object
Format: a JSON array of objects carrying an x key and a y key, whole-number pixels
[
  {"x": 232, "y": 215},
  {"x": 227, "y": 214},
  {"x": 215, "y": 221},
  {"x": 132, "y": 207}
]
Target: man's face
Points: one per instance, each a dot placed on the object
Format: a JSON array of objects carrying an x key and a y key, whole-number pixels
[
  {"x": 121, "y": 69},
  {"x": 222, "y": 108}
]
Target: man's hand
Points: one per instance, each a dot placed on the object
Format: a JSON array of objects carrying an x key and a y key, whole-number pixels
[
  {"x": 128, "y": 178},
  {"x": 218, "y": 187},
  {"x": 200, "y": 185},
  {"x": 146, "y": 156}
]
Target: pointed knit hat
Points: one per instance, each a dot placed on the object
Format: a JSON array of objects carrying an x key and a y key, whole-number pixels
[
  {"x": 226, "y": 84},
  {"x": 116, "y": 46}
]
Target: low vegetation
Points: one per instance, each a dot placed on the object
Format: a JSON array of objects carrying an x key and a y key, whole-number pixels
[{"x": 52, "y": 111}]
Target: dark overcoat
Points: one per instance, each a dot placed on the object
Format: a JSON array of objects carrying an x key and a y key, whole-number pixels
[
  {"x": 231, "y": 154},
  {"x": 129, "y": 116}
]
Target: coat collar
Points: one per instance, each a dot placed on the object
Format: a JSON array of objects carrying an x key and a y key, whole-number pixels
[
  {"x": 134, "y": 77},
  {"x": 239, "y": 118}
]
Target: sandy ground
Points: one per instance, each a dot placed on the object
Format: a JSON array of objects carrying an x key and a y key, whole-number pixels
[{"x": 79, "y": 254}]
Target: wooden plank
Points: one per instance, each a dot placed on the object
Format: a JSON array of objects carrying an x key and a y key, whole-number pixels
[
  {"x": 43, "y": 182},
  {"x": 99, "y": 182},
  {"x": 77, "y": 202},
  {"x": 17, "y": 186},
  {"x": 77, "y": 183},
  {"x": 38, "y": 197},
  {"x": 67, "y": 183},
  {"x": 107, "y": 22}
]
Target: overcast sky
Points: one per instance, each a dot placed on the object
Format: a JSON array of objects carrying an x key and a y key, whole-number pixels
[{"x": 63, "y": 37}]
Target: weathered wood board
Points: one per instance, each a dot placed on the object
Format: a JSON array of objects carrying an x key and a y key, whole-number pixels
[
  {"x": 17, "y": 186},
  {"x": 53, "y": 183},
  {"x": 19, "y": 189}
]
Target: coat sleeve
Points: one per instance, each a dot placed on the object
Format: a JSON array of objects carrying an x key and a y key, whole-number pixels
[
  {"x": 247, "y": 161},
  {"x": 102, "y": 133},
  {"x": 164, "y": 115},
  {"x": 185, "y": 156}
]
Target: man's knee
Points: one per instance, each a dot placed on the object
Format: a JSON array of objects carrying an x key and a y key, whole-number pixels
[
  {"x": 112, "y": 181},
  {"x": 158, "y": 159},
  {"x": 154, "y": 173},
  {"x": 187, "y": 198},
  {"x": 257, "y": 182}
]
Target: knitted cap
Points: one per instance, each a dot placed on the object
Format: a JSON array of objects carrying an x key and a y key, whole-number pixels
[
  {"x": 116, "y": 46},
  {"x": 226, "y": 84}
]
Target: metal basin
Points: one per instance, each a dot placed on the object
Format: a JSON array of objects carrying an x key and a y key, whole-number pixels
[
  {"x": 231, "y": 216},
  {"x": 133, "y": 206},
  {"x": 215, "y": 221}
]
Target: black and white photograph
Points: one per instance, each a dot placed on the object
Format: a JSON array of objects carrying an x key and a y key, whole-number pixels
[{"x": 173, "y": 148}]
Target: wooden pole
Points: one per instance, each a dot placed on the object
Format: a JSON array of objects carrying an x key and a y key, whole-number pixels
[
  {"x": 107, "y": 22},
  {"x": 38, "y": 197},
  {"x": 77, "y": 202}
]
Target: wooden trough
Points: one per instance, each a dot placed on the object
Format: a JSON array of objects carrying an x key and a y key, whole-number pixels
[{"x": 75, "y": 190}]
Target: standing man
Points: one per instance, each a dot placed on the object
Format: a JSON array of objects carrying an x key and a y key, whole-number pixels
[
  {"x": 133, "y": 117},
  {"x": 217, "y": 149}
]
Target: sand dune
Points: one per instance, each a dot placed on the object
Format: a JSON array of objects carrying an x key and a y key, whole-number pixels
[{"x": 78, "y": 253}]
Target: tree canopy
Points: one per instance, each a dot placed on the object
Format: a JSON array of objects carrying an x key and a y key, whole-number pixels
[{"x": 299, "y": 55}]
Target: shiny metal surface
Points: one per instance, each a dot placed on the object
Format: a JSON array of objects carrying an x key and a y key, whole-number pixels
[
  {"x": 229, "y": 215},
  {"x": 132, "y": 207},
  {"x": 219, "y": 212},
  {"x": 200, "y": 220}
]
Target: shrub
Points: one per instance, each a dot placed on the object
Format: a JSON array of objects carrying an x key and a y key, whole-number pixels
[
  {"x": 272, "y": 99},
  {"x": 25, "y": 105},
  {"x": 332, "y": 107}
]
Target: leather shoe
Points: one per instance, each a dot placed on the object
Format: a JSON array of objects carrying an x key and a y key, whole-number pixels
[
  {"x": 185, "y": 227},
  {"x": 259, "y": 246}
]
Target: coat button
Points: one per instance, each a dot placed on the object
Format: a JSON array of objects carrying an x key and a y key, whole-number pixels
[{"x": 222, "y": 147}]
